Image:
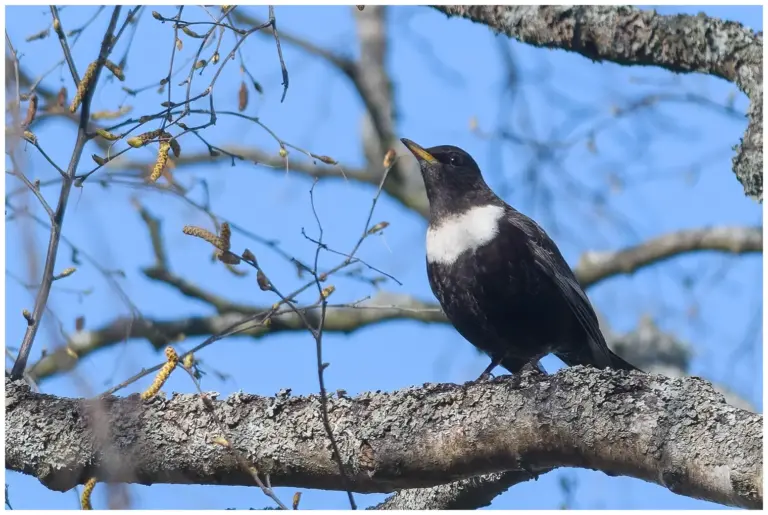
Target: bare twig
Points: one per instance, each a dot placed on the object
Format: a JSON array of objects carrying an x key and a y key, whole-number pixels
[
  {"x": 321, "y": 365},
  {"x": 34, "y": 188},
  {"x": 64, "y": 45},
  {"x": 273, "y": 22},
  {"x": 226, "y": 441}
]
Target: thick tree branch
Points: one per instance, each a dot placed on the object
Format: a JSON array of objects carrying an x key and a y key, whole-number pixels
[
  {"x": 467, "y": 494},
  {"x": 630, "y": 36},
  {"x": 678, "y": 433}
]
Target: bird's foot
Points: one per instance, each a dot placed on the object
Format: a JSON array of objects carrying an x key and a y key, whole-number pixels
[
  {"x": 485, "y": 376},
  {"x": 534, "y": 367}
]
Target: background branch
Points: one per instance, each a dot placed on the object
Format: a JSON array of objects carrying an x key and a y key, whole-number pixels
[{"x": 627, "y": 35}]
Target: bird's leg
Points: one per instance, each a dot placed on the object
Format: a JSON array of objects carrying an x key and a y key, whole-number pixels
[{"x": 487, "y": 372}]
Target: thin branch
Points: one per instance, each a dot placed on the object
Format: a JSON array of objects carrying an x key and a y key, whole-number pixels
[
  {"x": 283, "y": 69},
  {"x": 227, "y": 442},
  {"x": 66, "y": 185},
  {"x": 34, "y": 188},
  {"x": 64, "y": 45},
  {"x": 343, "y": 63}
]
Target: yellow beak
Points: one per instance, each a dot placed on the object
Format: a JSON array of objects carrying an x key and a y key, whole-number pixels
[{"x": 419, "y": 152}]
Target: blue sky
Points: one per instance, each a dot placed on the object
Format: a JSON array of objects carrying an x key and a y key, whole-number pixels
[{"x": 673, "y": 162}]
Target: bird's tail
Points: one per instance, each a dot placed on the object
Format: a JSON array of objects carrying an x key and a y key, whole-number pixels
[
  {"x": 619, "y": 363},
  {"x": 587, "y": 358}
]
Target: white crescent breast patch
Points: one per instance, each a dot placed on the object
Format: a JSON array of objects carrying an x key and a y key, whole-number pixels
[{"x": 462, "y": 233}]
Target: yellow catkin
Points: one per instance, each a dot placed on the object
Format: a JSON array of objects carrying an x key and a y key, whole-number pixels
[
  {"x": 224, "y": 236},
  {"x": 83, "y": 87},
  {"x": 107, "y": 135},
  {"x": 189, "y": 361},
  {"x": 29, "y": 136},
  {"x": 162, "y": 375},
  {"x": 85, "y": 499},
  {"x": 111, "y": 115},
  {"x": 296, "y": 500},
  {"x": 143, "y": 139},
  {"x": 201, "y": 233},
  {"x": 327, "y": 291},
  {"x": 66, "y": 272},
  {"x": 162, "y": 159}
]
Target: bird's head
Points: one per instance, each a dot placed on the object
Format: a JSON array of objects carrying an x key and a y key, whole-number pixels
[{"x": 451, "y": 177}]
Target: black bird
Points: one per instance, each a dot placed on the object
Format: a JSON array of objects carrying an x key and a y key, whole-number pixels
[{"x": 501, "y": 280}]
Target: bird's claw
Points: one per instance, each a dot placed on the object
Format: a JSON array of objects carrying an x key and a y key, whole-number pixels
[{"x": 485, "y": 376}]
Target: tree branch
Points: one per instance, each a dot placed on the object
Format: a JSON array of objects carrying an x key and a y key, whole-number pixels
[
  {"x": 41, "y": 299},
  {"x": 630, "y": 36},
  {"x": 371, "y": 80},
  {"x": 595, "y": 266},
  {"x": 678, "y": 433},
  {"x": 467, "y": 494},
  {"x": 163, "y": 332}
]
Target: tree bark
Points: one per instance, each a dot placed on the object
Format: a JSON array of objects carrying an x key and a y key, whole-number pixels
[
  {"x": 678, "y": 433},
  {"x": 627, "y": 35}
]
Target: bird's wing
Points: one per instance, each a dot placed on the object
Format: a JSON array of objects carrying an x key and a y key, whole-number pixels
[{"x": 549, "y": 260}]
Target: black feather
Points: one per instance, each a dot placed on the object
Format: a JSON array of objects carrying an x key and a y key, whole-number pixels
[{"x": 515, "y": 297}]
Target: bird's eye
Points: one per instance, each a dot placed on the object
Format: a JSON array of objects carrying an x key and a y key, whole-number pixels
[{"x": 455, "y": 160}]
